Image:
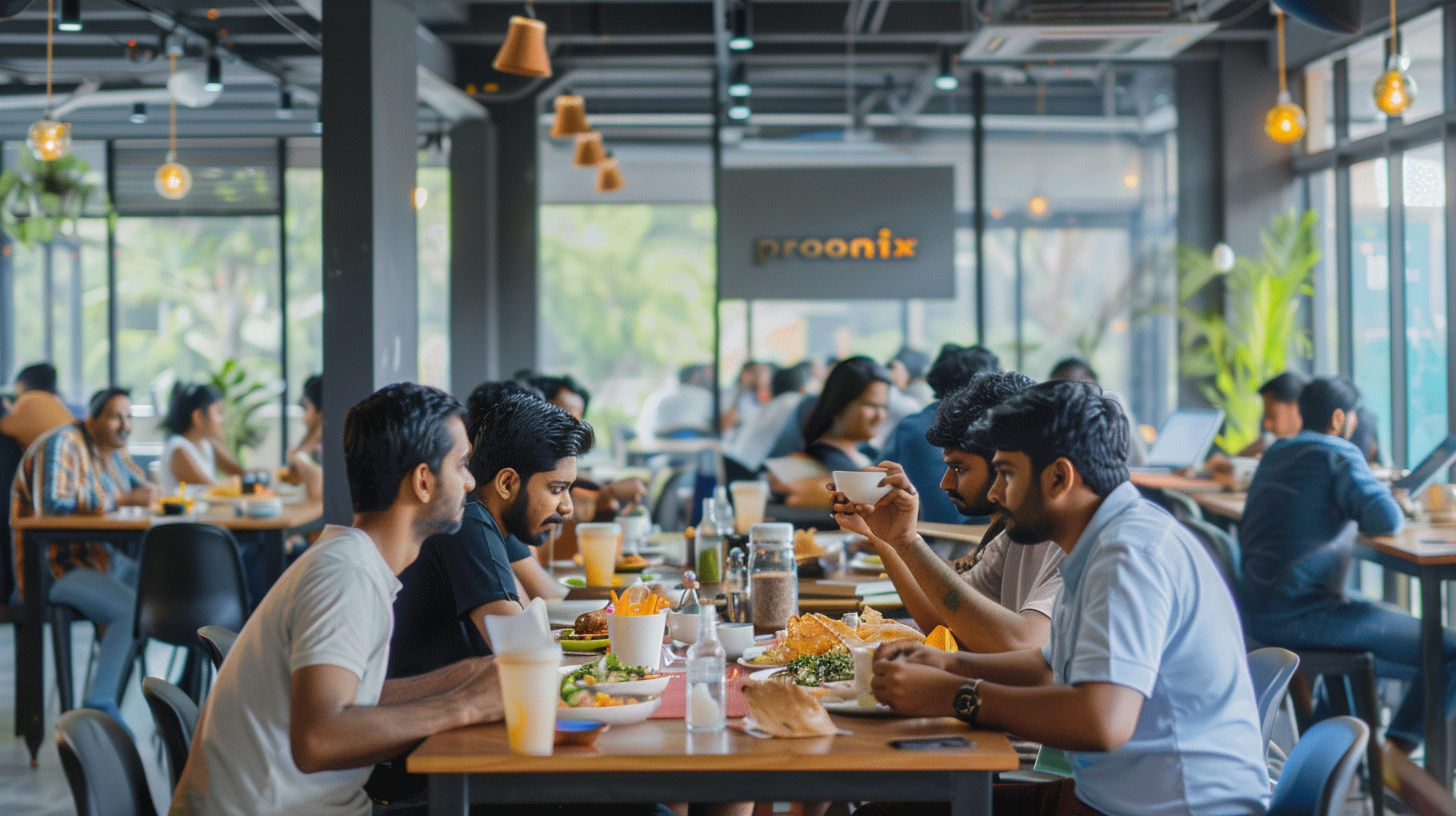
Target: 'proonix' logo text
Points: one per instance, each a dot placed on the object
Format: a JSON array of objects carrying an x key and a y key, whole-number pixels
[{"x": 885, "y": 246}]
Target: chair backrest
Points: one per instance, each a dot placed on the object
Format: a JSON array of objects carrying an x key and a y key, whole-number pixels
[
  {"x": 1181, "y": 505},
  {"x": 102, "y": 765},
  {"x": 1271, "y": 669},
  {"x": 218, "y": 641},
  {"x": 191, "y": 576},
  {"x": 176, "y": 717},
  {"x": 1316, "y": 777},
  {"x": 10, "y": 456},
  {"x": 1220, "y": 547}
]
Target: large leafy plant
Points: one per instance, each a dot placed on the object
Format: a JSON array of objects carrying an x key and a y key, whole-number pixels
[
  {"x": 40, "y": 198},
  {"x": 244, "y": 397},
  {"x": 1235, "y": 346}
]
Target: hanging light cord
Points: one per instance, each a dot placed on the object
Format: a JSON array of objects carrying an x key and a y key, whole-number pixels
[
  {"x": 1283, "y": 86},
  {"x": 1394, "y": 31},
  {"x": 172, "y": 115},
  {"x": 50, "y": 27}
]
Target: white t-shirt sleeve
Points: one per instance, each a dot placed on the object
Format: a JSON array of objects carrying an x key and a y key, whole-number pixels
[
  {"x": 1046, "y": 588},
  {"x": 336, "y": 620},
  {"x": 986, "y": 576}
]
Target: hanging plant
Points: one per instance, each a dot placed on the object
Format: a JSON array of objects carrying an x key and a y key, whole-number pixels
[{"x": 40, "y": 198}]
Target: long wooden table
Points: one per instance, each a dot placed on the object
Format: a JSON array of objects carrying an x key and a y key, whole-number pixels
[
  {"x": 1229, "y": 506},
  {"x": 658, "y": 761},
  {"x": 35, "y": 534}
]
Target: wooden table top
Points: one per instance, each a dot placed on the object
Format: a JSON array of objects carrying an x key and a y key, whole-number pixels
[
  {"x": 665, "y": 745},
  {"x": 968, "y": 533},
  {"x": 1420, "y": 542},
  {"x": 221, "y": 514},
  {"x": 1174, "y": 481},
  {"x": 1228, "y": 505}
]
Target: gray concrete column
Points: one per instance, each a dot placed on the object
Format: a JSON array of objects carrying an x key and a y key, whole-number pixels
[
  {"x": 517, "y": 223},
  {"x": 474, "y": 294},
  {"x": 371, "y": 323}
]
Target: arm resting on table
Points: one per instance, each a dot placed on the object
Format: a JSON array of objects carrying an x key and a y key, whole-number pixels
[{"x": 1089, "y": 717}]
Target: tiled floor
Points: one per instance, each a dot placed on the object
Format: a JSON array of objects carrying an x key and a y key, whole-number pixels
[{"x": 42, "y": 790}]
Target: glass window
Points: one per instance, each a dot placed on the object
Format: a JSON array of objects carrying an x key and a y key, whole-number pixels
[
  {"x": 1319, "y": 106},
  {"x": 1326, "y": 287},
  {"x": 1366, "y": 63},
  {"x": 1425, "y": 299},
  {"x": 304, "y": 220},
  {"x": 1420, "y": 42},
  {"x": 1370, "y": 288},
  {"x": 1076, "y": 293},
  {"x": 433, "y": 275}
]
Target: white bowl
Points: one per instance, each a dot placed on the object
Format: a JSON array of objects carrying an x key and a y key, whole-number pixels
[
  {"x": 862, "y": 487},
  {"x": 736, "y": 639},
  {"x": 612, "y": 715},
  {"x": 650, "y": 687},
  {"x": 682, "y": 628}
]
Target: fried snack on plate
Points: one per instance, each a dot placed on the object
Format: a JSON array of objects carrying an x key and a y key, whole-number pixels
[
  {"x": 592, "y": 623},
  {"x": 873, "y": 628},
  {"x": 786, "y": 710},
  {"x": 806, "y": 548}
]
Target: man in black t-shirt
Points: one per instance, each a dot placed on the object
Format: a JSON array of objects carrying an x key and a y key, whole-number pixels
[{"x": 524, "y": 461}]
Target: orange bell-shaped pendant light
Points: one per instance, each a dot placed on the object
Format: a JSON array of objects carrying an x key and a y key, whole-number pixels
[
  {"x": 609, "y": 175},
  {"x": 570, "y": 116},
  {"x": 524, "y": 51},
  {"x": 589, "y": 150}
]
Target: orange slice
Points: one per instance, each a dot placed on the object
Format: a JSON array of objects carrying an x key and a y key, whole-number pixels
[{"x": 941, "y": 638}]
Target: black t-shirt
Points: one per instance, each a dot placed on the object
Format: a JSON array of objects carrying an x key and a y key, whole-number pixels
[
  {"x": 516, "y": 550},
  {"x": 453, "y": 575}
]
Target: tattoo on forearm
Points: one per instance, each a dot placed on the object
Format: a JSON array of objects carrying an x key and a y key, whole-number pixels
[{"x": 952, "y": 600}]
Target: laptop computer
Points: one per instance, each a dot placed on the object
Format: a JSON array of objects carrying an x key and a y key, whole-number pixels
[
  {"x": 1183, "y": 441},
  {"x": 1426, "y": 472}
]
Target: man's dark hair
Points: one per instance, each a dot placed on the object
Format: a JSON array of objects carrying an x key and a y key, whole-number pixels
[
  {"x": 963, "y": 408},
  {"x": 526, "y": 435},
  {"x": 956, "y": 365},
  {"x": 187, "y": 398},
  {"x": 915, "y": 361},
  {"x": 1284, "y": 387},
  {"x": 845, "y": 383},
  {"x": 792, "y": 379},
  {"x": 551, "y": 386},
  {"x": 1062, "y": 419},
  {"x": 1073, "y": 369},
  {"x": 313, "y": 391},
  {"x": 1367, "y": 436},
  {"x": 487, "y": 396},
  {"x": 100, "y": 398},
  {"x": 390, "y": 433},
  {"x": 1322, "y": 397},
  {"x": 38, "y": 377}
]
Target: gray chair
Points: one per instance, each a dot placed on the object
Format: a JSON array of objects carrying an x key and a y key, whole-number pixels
[
  {"x": 1181, "y": 505},
  {"x": 176, "y": 717},
  {"x": 218, "y": 641},
  {"x": 1316, "y": 778},
  {"x": 1271, "y": 670},
  {"x": 102, "y": 765}
]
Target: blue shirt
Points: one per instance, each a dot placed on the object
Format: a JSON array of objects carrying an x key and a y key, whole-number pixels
[
  {"x": 906, "y": 447},
  {"x": 1144, "y": 607},
  {"x": 1308, "y": 497}
]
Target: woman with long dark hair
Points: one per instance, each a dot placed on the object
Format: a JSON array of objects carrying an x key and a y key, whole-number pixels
[
  {"x": 195, "y": 451},
  {"x": 847, "y": 415}
]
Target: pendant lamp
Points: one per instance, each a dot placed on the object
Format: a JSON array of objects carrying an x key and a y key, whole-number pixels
[
  {"x": 1285, "y": 121},
  {"x": 609, "y": 175},
  {"x": 48, "y": 139},
  {"x": 570, "y": 116},
  {"x": 1039, "y": 206},
  {"x": 1395, "y": 91},
  {"x": 524, "y": 51},
  {"x": 173, "y": 180},
  {"x": 589, "y": 150}
]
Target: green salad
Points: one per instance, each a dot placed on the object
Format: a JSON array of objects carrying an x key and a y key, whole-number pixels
[
  {"x": 816, "y": 670},
  {"x": 579, "y": 685}
]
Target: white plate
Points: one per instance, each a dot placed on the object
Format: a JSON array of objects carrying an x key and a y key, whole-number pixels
[
  {"x": 612, "y": 715},
  {"x": 839, "y": 688},
  {"x": 754, "y": 651},
  {"x": 650, "y": 687},
  {"x": 861, "y": 563},
  {"x": 852, "y": 708}
]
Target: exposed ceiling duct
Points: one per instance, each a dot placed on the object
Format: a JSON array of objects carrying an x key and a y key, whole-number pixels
[{"x": 1039, "y": 43}]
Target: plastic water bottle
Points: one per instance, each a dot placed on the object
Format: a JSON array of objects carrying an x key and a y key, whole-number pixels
[
  {"x": 710, "y": 545},
  {"x": 706, "y": 704}
]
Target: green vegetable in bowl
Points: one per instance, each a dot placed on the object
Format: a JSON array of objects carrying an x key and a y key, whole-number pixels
[{"x": 816, "y": 670}]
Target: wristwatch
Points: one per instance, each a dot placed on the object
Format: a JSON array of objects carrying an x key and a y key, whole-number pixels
[{"x": 967, "y": 702}]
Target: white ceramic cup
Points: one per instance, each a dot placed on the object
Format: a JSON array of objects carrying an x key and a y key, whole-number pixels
[
  {"x": 736, "y": 638},
  {"x": 598, "y": 544},
  {"x": 864, "y": 668},
  {"x": 862, "y": 487},
  {"x": 530, "y": 690},
  {"x": 750, "y": 498},
  {"x": 637, "y": 639},
  {"x": 682, "y": 628}
]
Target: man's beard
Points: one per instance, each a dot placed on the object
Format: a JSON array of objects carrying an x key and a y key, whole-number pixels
[
  {"x": 518, "y": 524},
  {"x": 445, "y": 519},
  {"x": 965, "y": 508},
  {"x": 1021, "y": 529}
]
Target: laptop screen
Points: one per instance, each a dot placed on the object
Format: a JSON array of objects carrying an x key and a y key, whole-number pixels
[
  {"x": 1185, "y": 439},
  {"x": 1426, "y": 472}
]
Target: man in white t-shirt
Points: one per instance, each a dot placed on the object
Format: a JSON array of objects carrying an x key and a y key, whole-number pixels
[
  {"x": 301, "y": 711},
  {"x": 1001, "y": 598}
]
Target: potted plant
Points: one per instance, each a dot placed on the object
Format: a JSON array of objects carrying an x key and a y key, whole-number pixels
[
  {"x": 40, "y": 198},
  {"x": 244, "y": 396},
  {"x": 1234, "y": 347}
]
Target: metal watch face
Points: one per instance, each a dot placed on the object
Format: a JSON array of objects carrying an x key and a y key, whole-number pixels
[{"x": 966, "y": 701}]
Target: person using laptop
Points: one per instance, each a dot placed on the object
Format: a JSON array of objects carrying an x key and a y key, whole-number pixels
[
  {"x": 1183, "y": 441},
  {"x": 1310, "y": 496}
]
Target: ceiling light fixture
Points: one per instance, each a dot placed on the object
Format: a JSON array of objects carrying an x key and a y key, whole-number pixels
[
  {"x": 173, "y": 180},
  {"x": 48, "y": 139},
  {"x": 70, "y": 16},
  {"x": 420, "y": 196},
  {"x": 739, "y": 112},
  {"x": 589, "y": 150},
  {"x": 609, "y": 175},
  {"x": 1395, "y": 91},
  {"x": 285, "y": 104},
  {"x": 1285, "y": 121},
  {"x": 946, "y": 79},
  {"x": 570, "y": 115},
  {"x": 524, "y": 51},
  {"x": 214, "y": 73},
  {"x": 1039, "y": 206},
  {"x": 742, "y": 39},
  {"x": 138, "y": 114},
  {"x": 738, "y": 86}
]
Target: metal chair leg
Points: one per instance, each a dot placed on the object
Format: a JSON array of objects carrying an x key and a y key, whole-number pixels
[{"x": 61, "y": 618}]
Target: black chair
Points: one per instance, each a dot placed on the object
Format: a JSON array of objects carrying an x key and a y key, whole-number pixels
[
  {"x": 10, "y": 456},
  {"x": 218, "y": 641},
  {"x": 1361, "y": 699},
  {"x": 176, "y": 718},
  {"x": 191, "y": 576},
  {"x": 102, "y": 766}
]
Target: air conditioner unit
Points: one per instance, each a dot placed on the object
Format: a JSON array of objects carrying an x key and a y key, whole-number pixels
[{"x": 1082, "y": 43}]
